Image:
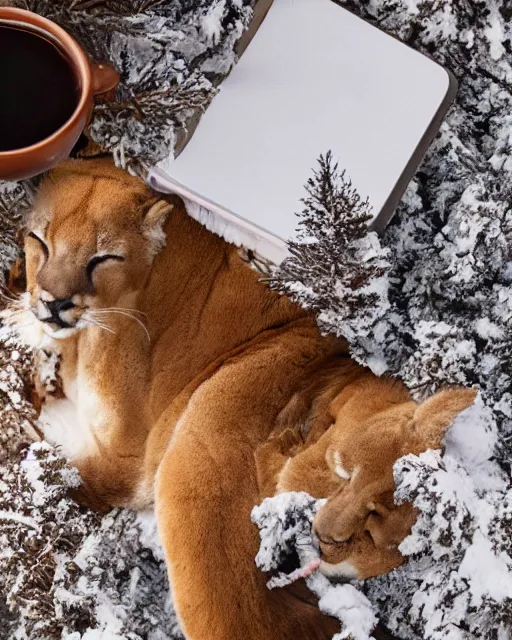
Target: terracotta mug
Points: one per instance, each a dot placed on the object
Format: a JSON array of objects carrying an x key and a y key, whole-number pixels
[{"x": 92, "y": 79}]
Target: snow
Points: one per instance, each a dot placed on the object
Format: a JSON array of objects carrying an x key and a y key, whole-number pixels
[
  {"x": 350, "y": 606},
  {"x": 10, "y": 516},
  {"x": 471, "y": 441},
  {"x": 494, "y": 33},
  {"x": 487, "y": 329},
  {"x": 487, "y": 572},
  {"x": 211, "y": 23},
  {"x": 448, "y": 321}
]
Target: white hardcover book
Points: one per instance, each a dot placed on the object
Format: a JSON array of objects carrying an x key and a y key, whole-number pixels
[{"x": 314, "y": 78}]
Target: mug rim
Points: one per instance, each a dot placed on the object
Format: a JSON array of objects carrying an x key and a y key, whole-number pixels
[{"x": 77, "y": 58}]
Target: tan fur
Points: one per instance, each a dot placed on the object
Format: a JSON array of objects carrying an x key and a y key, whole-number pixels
[
  {"x": 174, "y": 419},
  {"x": 368, "y": 425}
]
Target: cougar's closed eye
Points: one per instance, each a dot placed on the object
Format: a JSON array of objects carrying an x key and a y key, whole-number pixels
[
  {"x": 94, "y": 262},
  {"x": 43, "y": 244}
]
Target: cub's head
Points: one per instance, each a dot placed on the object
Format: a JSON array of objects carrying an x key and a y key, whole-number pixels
[
  {"x": 359, "y": 528},
  {"x": 90, "y": 242}
]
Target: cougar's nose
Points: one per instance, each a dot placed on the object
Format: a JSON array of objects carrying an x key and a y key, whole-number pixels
[{"x": 56, "y": 306}]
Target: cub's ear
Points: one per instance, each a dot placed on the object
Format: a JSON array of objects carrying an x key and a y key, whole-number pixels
[
  {"x": 155, "y": 213},
  {"x": 433, "y": 417}
]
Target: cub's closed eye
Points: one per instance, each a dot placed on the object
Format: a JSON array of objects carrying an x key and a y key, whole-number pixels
[
  {"x": 43, "y": 244},
  {"x": 375, "y": 508},
  {"x": 94, "y": 262}
]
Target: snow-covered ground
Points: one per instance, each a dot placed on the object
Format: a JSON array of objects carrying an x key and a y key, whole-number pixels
[{"x": 67, "y": 573}]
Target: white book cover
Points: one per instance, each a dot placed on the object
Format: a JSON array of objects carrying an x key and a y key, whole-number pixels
[{"x": 314, "y": 78}]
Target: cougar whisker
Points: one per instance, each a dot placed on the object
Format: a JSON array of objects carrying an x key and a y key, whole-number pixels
[
  {"x": 95, "y": 323},
  {"x": 104, "y": 312},
  {"x": 122, "y": 309}
]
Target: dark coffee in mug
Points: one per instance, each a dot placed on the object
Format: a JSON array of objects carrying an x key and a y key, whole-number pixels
[{"x": 38, "y": 89}]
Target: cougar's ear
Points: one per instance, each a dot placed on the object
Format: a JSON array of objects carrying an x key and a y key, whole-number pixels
[
  {"x": 155, "y": 213},
  {"x": 433, "y": 417}
]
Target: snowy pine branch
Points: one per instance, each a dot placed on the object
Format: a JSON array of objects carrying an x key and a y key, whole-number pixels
[{"x": 336, "y": 266}]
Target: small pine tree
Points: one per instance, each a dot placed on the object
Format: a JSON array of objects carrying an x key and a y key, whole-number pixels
[{"x": 336, "y": 266}]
